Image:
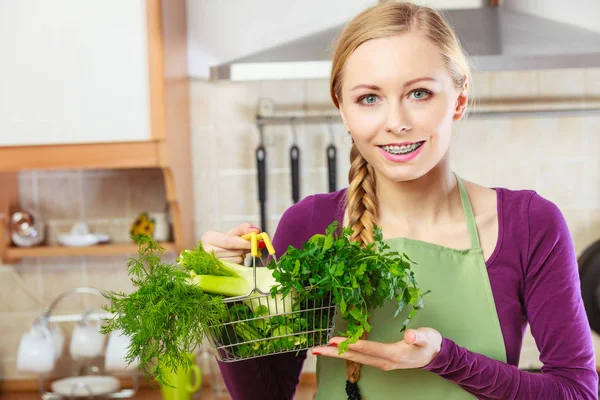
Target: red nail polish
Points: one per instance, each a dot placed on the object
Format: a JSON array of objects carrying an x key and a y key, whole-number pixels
[
  {"x": 315, "y": 353},
  {"x": 334, "y": 344}
]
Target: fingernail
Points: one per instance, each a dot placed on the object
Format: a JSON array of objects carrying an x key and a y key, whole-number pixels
[
  {"x": 334, "y": 344},
  {"x": 316, "y": 353}
]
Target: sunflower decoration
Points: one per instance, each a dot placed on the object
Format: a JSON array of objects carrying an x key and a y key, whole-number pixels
[{"x": 143, "y": 225}]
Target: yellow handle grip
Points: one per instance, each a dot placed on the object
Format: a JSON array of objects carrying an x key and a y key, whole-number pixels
[
  {"x": 268, "y": 243},
  {"x": 253, "y": 243},
  {"x": 254, "y": 237}
]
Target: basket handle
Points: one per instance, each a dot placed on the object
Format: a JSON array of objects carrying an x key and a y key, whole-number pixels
[
  {"x": 255, "y": 244},
  {"x": 258, "y": 241}
]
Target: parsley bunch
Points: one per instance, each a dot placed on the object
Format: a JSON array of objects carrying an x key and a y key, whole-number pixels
[{"x": 360, "y": 278}]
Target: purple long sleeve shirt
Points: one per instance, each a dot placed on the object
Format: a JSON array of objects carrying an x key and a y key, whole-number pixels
[{"x": 534, "y": 279}]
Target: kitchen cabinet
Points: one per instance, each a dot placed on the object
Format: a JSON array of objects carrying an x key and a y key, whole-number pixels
[
  {"x": 73, "y": 72},
  {"x": 95, "y": 86}
]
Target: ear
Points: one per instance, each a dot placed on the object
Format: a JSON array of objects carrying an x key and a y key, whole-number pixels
[
  {"x": 461, "y": 102},
  {"x": 343, "y": 115}
]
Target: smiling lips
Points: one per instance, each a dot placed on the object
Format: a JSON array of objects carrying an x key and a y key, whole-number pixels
[
  {"x": 402, "y": 152},
  {"x": 402, "y": 148}
]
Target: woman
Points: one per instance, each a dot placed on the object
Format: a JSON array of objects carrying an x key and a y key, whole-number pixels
[{"x": 494, "y": 259}]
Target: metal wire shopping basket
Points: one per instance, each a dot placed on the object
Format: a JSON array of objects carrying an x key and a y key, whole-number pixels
[{"x": 260, "y": 325}]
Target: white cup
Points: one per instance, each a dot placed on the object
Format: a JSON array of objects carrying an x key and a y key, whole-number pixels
[
  {"x": 116, "y": 350},
  {"x": 86, "y": 341},
  {"x": 37, "y": 351}
]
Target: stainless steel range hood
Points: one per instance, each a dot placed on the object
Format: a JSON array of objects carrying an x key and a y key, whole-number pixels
[{"x": 495, "y": 38}]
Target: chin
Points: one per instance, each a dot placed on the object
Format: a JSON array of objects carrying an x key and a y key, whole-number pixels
[{"x": 404, "y": 173}]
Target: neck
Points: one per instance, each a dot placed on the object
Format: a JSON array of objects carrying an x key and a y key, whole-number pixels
[{"x": 423, "y": 201}]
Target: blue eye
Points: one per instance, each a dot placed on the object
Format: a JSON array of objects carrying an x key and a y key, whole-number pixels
[
  {"x": 420, "y": 94},
  {"x": 370, "y": 99}
]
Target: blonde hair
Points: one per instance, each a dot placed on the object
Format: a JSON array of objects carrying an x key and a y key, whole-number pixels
[{"x": 388, "y": 18}]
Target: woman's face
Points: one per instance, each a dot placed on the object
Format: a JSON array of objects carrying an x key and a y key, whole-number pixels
[{"x": 398, "y": 101}]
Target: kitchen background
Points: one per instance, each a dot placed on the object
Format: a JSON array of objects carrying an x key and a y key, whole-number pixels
[{"x": 557, "y": 156}]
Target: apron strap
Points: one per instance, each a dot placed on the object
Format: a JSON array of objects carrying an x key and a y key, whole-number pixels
[{"x": 469, "y": 216}]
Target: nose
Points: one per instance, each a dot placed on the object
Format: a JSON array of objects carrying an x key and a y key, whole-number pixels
[{"x": 397, "y": 122}]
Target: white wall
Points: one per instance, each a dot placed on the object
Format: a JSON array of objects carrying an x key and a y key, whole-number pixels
[{"x": 581, "y": 13}]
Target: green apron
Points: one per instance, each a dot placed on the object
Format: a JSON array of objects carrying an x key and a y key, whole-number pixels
[{"x": 460, "y": 306}]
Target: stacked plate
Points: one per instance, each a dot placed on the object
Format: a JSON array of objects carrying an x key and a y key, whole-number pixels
[{"x": 81, "y": 236}]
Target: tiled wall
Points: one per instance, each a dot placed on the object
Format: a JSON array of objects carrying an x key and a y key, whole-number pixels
[
  {"x": 108, "y": 201},
  {"x": 558, "y": 157}
]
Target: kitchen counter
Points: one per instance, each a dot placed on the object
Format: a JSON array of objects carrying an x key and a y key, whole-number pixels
[{"x": 305, "y": 392}]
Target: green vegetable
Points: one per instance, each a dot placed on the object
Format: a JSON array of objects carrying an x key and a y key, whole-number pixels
[
  {"x": 225, "y": 285},
  {"x": 360, "y": 278},
  {"x": 165, "y": 317},
  {"x": 261, "y": 333},
  {"x": 175, "y": 306},
  {"x": 210, "y": 274}
]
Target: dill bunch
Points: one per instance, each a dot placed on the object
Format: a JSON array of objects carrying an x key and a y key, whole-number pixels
[{"x": 165, "y": 317}]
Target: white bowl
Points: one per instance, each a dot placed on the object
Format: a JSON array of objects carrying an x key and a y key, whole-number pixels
[
  {"x": 67, "y": 239},
  {"x": 86, "y": 385}
]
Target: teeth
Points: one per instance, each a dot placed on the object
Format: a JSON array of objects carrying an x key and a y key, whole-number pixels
[{"x": 401, "y": 149}]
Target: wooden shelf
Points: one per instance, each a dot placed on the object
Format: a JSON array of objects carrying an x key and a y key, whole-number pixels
[
  {"x": 167, "y": 148},
  {"x": 84, "y": 155},
  {"x": 14, "y": 253}
]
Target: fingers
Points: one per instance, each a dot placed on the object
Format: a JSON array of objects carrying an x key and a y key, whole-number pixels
[
  {"x": 380, "y": 350},
  {"x": 229, "y": 246},
  {"x": 217, "y": 240},
  {"x": 419, "y": 337},
  {"x": 410, "y": 336},
  {"x": 361, "y": 358},
  {"x": 243, "y": 229},
  {"x": 417, "y": 349}
]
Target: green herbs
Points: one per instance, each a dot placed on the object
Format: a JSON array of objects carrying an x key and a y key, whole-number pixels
[
  {"x": 175, "y": 307},
  {"x": 360, "y": 278},
  {"x": 263, "y": 331},
  {"x": 165, "y": 317},
  {"x": 203, "y": 263}
]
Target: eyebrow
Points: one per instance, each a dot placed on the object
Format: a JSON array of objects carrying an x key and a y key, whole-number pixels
[{"x": 375, "y": 87}]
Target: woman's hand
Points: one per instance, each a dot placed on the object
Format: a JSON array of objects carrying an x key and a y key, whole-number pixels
[
  {"x": 229, "y": 246},
  {"x": 418, "y": 349}
]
